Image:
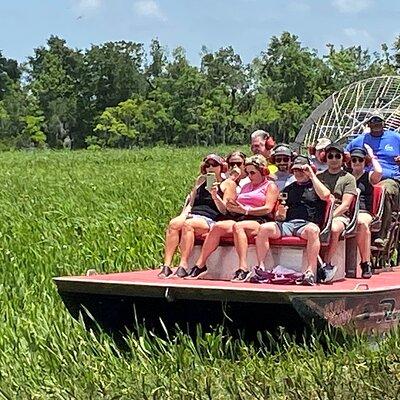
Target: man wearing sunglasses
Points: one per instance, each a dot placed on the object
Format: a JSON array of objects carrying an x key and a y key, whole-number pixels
[
  {"x": 343, "y": 186},
  {"x": 282, "y": 157},
  {"x": 385, "y": 145}
]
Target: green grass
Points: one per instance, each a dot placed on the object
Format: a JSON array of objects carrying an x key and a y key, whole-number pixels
[{"x": 63, "y": 213}]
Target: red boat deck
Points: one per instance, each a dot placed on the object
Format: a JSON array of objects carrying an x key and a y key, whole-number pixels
[{"x": 129, "y": 282}]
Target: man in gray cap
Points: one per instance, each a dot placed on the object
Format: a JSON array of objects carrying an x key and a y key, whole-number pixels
[
  {"x": 282, "y": 156},
  {"x": 320, "y": 146},
  {"x": 304, "y": 211},
  {"x": 385, "y": 145}
]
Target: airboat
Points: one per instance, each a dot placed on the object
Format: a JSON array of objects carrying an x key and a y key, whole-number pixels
[{"x": 124, "y": 301}]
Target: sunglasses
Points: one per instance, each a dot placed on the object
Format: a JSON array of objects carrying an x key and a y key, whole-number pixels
[
  {"x": 251, "y": 172},
  {"x": 282, "y": 159},
  {"x": 357, "y": 159},
  {"x": 209, "y": 164},
  {"x": 331, "y": 156},
  {"x": 235, "y": 164}
]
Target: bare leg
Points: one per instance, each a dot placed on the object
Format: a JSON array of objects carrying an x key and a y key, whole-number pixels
[
  {"x": 311, "y": 234},
  {"x": 267, "y": 231},
  {"x": 364, "y": 236},
  {"x": 189, "y": 229},
  {"x": 240, "y": 232},
  {"x": 336, "y": 230},
  {"x": 172, "y": 238},
  {"x": 220, "y": 229}
]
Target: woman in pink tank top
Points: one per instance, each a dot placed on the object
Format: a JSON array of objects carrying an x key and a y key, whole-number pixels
[{"x": 253, "y": 206}]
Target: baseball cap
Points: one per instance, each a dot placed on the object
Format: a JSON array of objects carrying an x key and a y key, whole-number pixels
[
  {"x": 334, "y": 146},
  {"x": 214, "y": 157},
  {"x": 282, "y": 150},
  {"x": 322, "y": 143},
  {"x": 358, "y": 152},
  {"x": 376, "y": 114},
  {"x": 300, "y": 161}
]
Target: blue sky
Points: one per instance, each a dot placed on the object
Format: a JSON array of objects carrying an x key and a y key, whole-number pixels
[{"x": 247, "y": 25}]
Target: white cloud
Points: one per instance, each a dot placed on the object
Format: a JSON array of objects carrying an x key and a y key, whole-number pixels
[
  {"x": 89, "y": 4},
  {"x": 357, "y": 33},
  {"x": 351, "y": 6},
  {"x": 149, "y": 8}
]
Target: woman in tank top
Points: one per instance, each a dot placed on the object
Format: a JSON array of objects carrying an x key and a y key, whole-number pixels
[
  {"x": 360, "y": 158},
  {"x": 253, "y": 206},
  {"x": 201, "y": 210}
]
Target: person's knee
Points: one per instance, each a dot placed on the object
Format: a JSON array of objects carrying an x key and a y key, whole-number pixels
[
  {"x": 363, "y": 226},
  {"x": 266, "y": 231},
  {"x": 337, "y": 228},
  {"x": 238, "y": 228},
  {"x": 187, "y": 227},
  {"x": 311, "y": 231},
  {"x": 174, "y": 225}
]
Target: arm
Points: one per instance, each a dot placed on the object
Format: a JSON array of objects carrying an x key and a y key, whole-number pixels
[
  {"x": 229, "y": 189},
  {"x": 376, "y": 174},
  {"x": 191, "y": 196},
  {"x": 322, "y": 191},
  {"x": 346, "y": 203}
]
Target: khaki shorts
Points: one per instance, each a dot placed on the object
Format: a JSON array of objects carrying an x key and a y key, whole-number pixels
[{"x": 342, "y": 218}]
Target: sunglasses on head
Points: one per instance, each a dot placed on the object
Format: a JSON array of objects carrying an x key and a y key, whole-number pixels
[
  {"x": 209, "y": 164},
  {"x": 282, "y": 159},
  {"x": 331, "y": 156},
  {"x": 232, "y": 164},
  {"x": 357, "y": 159}
]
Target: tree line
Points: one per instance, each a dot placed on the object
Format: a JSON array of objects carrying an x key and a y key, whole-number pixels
[{"x": 118, "y": 95}]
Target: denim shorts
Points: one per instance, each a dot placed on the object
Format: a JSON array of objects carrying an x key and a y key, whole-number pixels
[
  {"x": 210, "y": 222},
  {"x": 295, "y": 227}
]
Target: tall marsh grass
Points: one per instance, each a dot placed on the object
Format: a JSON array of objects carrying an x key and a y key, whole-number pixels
[{"x": 63, "y": 213}]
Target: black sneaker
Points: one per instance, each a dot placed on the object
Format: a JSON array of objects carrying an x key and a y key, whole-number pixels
[
  {"x": 241, "y": 276},
  {"x": 181, "y": 272},
  {"x": 366, "y": 269},
  {"x": 165, "y": 272},
  {"x": 196, "y": 272},
  {"x": 330, "y": 271}
]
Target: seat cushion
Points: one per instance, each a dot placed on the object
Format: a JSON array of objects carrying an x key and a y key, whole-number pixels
[{"x": 288, "y": 241}]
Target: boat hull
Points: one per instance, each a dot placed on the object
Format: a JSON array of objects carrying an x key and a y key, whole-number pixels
[{"x": 127, "y": 301}]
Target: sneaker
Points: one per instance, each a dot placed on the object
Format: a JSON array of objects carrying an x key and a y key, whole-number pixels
[
  {"x": 321, "y": 274},
  {"x": 181, "y": 272},
  {"x": 379, "y": 242},
  {"x": 196, "y": 272},
  {"x": 165, "y": 272},
  {"x": 366, "y": 268},
  {"x": 330, "y": 271},
  {"x": 308, "y": 279},
  {"x": 241, "y": 276}
]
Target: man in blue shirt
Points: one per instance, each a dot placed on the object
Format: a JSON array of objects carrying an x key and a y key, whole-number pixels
[{"x": 386, "y": 147}]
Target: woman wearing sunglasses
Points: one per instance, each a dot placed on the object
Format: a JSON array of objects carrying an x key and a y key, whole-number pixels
[
  {"x": 360, "y": 158},
  {"x": 253, "y": 206},
  {"x": 235, "y": 162},
  {"x": 203, "y": 207}
]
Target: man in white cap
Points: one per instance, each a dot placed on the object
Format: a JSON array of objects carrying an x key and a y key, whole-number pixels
[
  {"x": 320, "y": 146},
  {"x": 385, "y": 145}
]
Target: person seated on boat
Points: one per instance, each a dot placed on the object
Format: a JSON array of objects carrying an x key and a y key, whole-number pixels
[
  {"x": 262, "y": 143},
  {"x": 282, "y": 156},
  {"x": 317, "y": 153},
  {"x": 360, "y": 158},
  {"x": 236, "y": 170},
  {"x": 202, "y": 209},
  {"x": 343, "y": 186},
  {"x": 253, "y": 206},
  {"x": 301, "y": 216},
  {"x": 385, "y": 145}
]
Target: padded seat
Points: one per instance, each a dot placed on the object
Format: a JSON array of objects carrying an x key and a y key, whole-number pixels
[{"x": 288, "y": 241}]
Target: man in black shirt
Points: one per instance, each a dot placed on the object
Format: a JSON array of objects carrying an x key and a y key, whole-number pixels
[{"x": 301, "y": 216}]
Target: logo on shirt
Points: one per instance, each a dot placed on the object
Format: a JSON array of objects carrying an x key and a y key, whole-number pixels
[{"x": 389, "y": 147}]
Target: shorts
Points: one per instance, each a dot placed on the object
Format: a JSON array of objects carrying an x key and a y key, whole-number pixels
[
  {"x": 259, "y": 219},
  {"x": 295, "y": 227},
  {"x": 342, "y": 218},
  {"x": 210, "y": 222}
]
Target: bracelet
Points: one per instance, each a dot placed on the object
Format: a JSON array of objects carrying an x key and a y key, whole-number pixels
[{"x": 247, "y": 210}]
